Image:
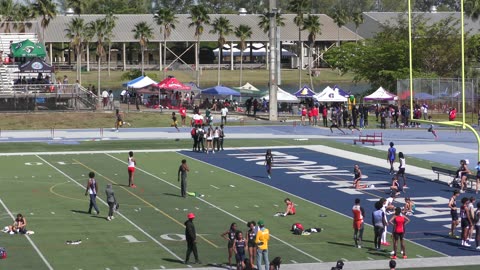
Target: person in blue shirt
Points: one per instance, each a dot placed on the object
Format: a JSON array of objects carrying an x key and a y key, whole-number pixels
[
  {"x": 478, "y": 176},
  {"x": 391, "y": 155},
  {"x": 379, "y": 223}
]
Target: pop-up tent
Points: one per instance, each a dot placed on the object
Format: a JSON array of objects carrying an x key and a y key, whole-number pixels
[
  {"x": 248, "y": 89},
  {"x": 140, "y": 82},
  {"x": 341, "y": 91},
  {"x": 330, "y": 95},
  {"x": 171, "y": 83},
  {"x": 220, "y": 90},
  {"x": 283, "y": 96},
  {"x": 28, "y": 48},
  {"x": 304, "y": 92},
  {"x": 381, "y": 94},
  {"x": 35, "y": 65}
]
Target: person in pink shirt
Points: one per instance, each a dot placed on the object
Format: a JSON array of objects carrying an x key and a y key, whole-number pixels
[{"x": 183, "y": 114}]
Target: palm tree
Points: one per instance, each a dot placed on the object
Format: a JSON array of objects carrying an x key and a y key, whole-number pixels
[
  {"x": 472, "y": 9},
  {"x": 22, "y": 17},
  {"x": 357, "y": 18},
  {"x": 143, "y": 32},
  {"x": 77, "y": 5},
  {"x": 264, "y": 24},
  {"x": 299, "y": 7},
  {"x": 199, "y": 16},
  {"x": 47, "y": 10},
  {"x": 222, "y": 27},
  {"x": 313, "y": 26},
  {"x": 167, "y": 19},
  {"x": 76, "y": 32},
  {"x": 8, "y": 10},
  {"x": 98, "y": 30},
  {"x": 340, "y": 17},
  {"x": 110, "y": 22},
  {"x": 242, "y": 32}
]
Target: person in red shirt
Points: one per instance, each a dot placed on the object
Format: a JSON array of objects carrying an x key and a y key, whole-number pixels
[
  {"x": 452, "y": 114},
  {"x": 315, "y": 114},
  {"x": 183, "y": 114},
  {"x": 310, "y": 115},
  {"x": 398, "y": 221},
  {"x": 304, "y": 115},
  {"x": 325, "y": 115},
  {"x": 358, "y": 214}
]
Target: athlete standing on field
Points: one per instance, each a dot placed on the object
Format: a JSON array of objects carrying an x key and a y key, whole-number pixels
[
  {"x": 131, "y": 169},
  {"x": 391, "y": 155},
  {"x": 269, "y": 163},
  {"x": 358, "y": 214},
  {"x": 452, "y": 204},
  {"x": 398, "y": 221}
]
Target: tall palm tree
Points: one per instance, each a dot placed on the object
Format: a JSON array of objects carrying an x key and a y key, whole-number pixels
[
  {"x": 8, "y": 11},
  {"x": 47, "y": 10},
  {"x": 340, "y": 17},
  {"x": 76, "y": 32},
  {"x": 78, "y": 6},
  {"x": 167, "y": 18},
  {"x": 242, "y": 32},
  {"x": 110, "y": 22},
  {"x": 357, "y": 19},
  {"x": 22, "y": 18},
  {"x": 299, "y": 7},
  {"x": 314, "y": 27},
  {"x": 143, "y": 32},
  {"x": 98, "y": 30},
  {"x": 222, "y": 27},
  {"x": 264, "y": 24},
  {"x": 199, "y": 17}
]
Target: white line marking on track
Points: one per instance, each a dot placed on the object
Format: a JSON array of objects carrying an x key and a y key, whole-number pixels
[
  {"x": 293, "y": 261},
  {"x": 419, "y": 256},
  {"x": 118, "y": 213},
  {"x": 29, "y": 239},
  {"x": 214, "y": 187}
]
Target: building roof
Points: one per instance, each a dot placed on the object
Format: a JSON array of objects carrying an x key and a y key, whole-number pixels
[
  {"x": 55, "y": 32},
  {"x": 373, "y": 21}
]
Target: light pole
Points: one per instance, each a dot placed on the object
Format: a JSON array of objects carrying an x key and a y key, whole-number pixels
[{"x": 273, "y": 87}]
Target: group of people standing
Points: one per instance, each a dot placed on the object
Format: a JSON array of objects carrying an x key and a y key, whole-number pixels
[
  {"x": 213, "y": 138},
  {"x": 468, "y": 218}
]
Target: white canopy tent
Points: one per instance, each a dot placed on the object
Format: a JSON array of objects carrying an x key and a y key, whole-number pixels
[
  {"x": 330, "y": 95},
  {"x": 283, "y": 96},
  {"x": 247, "y": 89},
  {"x": 381, "y": 94},
  {"x": 144, "y": 82}
]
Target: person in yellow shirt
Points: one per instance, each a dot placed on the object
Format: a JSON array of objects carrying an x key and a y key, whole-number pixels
[{"x": 263, "y": 235}]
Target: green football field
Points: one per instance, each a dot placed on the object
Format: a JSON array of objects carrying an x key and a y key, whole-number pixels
[{"x": 147, "y": 233}]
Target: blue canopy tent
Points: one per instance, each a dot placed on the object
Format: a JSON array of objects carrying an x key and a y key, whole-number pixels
[
  {"x": 220, "y": 90},
  {"x": 423, "y": 96},
  {"x": 127, "y": 84},
  {"x": 304, "y": 92}
]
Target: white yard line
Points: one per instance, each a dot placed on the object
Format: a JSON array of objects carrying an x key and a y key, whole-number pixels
[
  {"x": 29, "y": 239},
  {"x": 120, "y": 214},
  {"x": 218, "y": 208}
]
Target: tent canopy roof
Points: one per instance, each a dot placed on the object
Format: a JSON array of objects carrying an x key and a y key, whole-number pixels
[
  {"x": 330, "y": 95},
  {"x": 220, "y": 90},
  {"x": 381, "y": 94},
  {"x": 283, "y": 96}
]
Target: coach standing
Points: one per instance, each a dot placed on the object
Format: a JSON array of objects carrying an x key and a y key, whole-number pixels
[
  {"x": 182, "y": 172},
  {"x": 191, "y": 237},
  {"x": 263, "y": 235}
]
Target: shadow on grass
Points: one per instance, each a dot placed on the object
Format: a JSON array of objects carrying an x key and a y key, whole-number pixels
[
  {"x": 80, "y": 212},
  {"x": 173, "y": 260}
]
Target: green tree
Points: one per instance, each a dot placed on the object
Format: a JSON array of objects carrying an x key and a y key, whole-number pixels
[
  {"x": 299, "y": 7},
  {"x": 143, "y": 32},
  {"x": 78, "y": 6},
  {"x": 199, "y": 17},
  {"x": 47, "y": 10},
  {"x": 223, "y": 28},
  {"x": 76, "y": 32},
  {"x": 242, "y": 32},
  {"x": 98, "y": 30},
  {"x": 264, "y": 24},
  {"x": 472, "y": 9},
  {"x": 166, "y": 18},
  {"x": 340, "y": 17},
  {"x": 110, "y": 22},
  {"x": 314, "y": 27}
]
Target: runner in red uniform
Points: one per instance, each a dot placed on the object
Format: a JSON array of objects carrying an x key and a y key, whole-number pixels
[
  {"x": 398, "y": 221},
  {"x": 358, "y": 214}
]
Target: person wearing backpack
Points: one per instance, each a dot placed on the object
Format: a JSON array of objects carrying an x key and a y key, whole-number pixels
[{"x": 193, "y": 132}]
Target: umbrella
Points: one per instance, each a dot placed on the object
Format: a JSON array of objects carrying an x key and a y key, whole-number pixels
[
  {"x": 171, "y": 83},
  {"x": 28, "y": 48}
]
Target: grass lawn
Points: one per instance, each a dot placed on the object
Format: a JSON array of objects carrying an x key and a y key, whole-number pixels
[{"x": 148, "y": 231}]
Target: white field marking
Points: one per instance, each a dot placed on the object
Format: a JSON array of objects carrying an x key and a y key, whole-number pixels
[
  {"x": 345, "y": 260},
  {"x": 236, "y": 206},
  {"x": 118, "y": 213},
  {"x": 29, "y": 239},
  {"x": 293, "y": 261},
  {"x": 276, "y": 205},
  {"x": 256, "y": 206},
  {"x": 232, "y": 186},
  {"x": 327, "y": 150},
  {"x": 214, "y": 187},
  {"x": 371, "y": 259},
  {"x": 53, "y": 213},
  {"x": 216, "y": 207},
  {"x": 419, "y": 256},
  {"x": 135, "y": 268}
]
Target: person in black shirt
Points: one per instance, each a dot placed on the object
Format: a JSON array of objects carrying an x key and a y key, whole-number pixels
[
  {"x": 269, "y": 163},
  {"x": 182, "y": 171},
  {"x": 191, "y": 237}
]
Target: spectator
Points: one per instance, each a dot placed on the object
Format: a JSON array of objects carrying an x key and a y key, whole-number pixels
[
  {"x": 261, "y": 239},
  {"x": 191, "y": 237}
]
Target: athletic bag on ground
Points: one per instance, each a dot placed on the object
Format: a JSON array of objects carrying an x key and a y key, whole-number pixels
[{"x": 3, "y": 253}]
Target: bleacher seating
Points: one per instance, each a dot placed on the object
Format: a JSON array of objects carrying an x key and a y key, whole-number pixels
[{"x": 5, "y": 39}]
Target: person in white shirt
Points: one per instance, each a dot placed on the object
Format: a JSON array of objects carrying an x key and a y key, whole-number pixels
[
  {"x": 105, "y": 98},
  {"x": 224, "y": 112},
  {"x": 425, "y": 111},
  {"x": 123, "y": 95},
  {"x": 110, "y": 99}
]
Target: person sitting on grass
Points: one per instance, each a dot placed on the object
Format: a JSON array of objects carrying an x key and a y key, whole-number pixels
[
  {"x": 409, "y": 207},
  {"x": 395, "y": 188},
  {"x": 290, "y": 209},
  {"x": 19, "y": 226}
]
